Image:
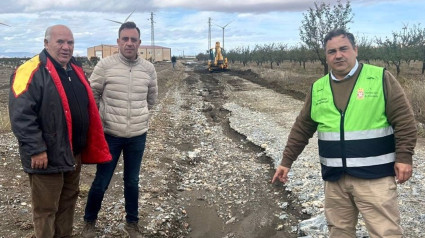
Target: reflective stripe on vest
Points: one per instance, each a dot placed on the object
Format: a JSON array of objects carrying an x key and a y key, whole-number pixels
[
  {"x": 361, "y": 135},
  {"x": 356, "y": 135},
  {"x": 358, "y": 162}
]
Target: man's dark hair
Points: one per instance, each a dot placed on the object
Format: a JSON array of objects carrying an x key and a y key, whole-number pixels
[
  {"x": 338, "y": 32},
  {"x": 128, "y": 25}
]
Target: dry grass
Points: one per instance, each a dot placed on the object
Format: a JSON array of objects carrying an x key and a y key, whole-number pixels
[
  {"x": 5, "y": 72},
  {"x": 413, "y": 82},
  {"x": 4, "y": 121}
]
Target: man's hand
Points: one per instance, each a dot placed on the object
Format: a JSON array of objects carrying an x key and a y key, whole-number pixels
[
  {"x": 281, "y": 174},
  {"x": 402, "y": 172},
  {"x": 39, "y": 161}
]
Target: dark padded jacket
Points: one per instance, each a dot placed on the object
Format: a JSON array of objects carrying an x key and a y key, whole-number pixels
[{"x": 41, "y": 119}]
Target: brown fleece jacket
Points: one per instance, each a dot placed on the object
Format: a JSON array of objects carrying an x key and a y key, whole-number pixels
[{"x": 398, "y": 109}]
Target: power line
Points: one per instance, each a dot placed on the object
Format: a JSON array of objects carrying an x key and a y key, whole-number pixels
[
  {"x": 209, "y": 33},
  {"x": 152, "y": 36}
]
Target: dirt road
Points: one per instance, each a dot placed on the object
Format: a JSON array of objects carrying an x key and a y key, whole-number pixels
[
  {"x": 214, "y": 181},
  {"x": 199, "y": 177}
]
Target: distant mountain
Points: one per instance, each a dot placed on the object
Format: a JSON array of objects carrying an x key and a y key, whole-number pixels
[{"x": 16, "y": 54}]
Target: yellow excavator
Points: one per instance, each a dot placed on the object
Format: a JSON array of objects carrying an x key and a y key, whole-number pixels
[{"x": 218, "y": 60}]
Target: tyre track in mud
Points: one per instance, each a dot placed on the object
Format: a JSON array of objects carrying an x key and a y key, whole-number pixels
[{"x": 217, "y": 180}]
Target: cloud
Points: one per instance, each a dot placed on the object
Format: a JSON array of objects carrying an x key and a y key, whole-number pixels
[
  {"x": 238, "y": 6},
  {"x": 29, "y": 6},
  {"x": 183, "y": 24},
  {"x": 119, "y": 6}
]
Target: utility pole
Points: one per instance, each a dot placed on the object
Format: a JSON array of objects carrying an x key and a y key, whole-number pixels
[
  {"x": 209, "y": 34},
  {"x": 152, "y": 36},
  {"x": 223, "y": 27}
]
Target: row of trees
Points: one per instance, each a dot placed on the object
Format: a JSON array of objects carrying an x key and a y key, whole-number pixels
[
  {"x": 15, "y": 62},
  {"x": 405, "y": 45}
]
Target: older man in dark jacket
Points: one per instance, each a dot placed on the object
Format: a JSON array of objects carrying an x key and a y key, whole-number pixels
[{"x": 55, "y": 119}]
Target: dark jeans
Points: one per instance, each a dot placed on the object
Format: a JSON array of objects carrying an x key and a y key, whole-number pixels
[{"x": 132, "y": 149}]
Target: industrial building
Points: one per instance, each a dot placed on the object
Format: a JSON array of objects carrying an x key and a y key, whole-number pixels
[{"x": 145, "y": 51}]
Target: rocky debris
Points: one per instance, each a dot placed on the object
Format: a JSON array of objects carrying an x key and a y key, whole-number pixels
[
  {"x": 261, "y": 126},
  {"x": 213, "y": 170},
  {"x": 201, "y": 178},
  {"x": 15, "y": 200}
]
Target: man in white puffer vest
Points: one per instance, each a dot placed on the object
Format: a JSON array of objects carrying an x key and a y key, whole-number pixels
[{"x": 125, "y": 88}]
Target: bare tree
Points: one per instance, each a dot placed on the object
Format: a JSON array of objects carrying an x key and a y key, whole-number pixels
[
  {"x": 401, "y": 47},
  {"x": 418, "y": 40},
  {"x": 240, "y": 54},
  {"x": 366, "y": 50},
  {"x": 259, "y": 55},
  {"x": 321, "y": 19}
]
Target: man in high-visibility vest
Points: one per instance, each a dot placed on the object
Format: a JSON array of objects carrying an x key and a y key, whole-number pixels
[{"x": 366, "y": 137}]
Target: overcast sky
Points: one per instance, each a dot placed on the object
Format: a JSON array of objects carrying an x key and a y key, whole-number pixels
[{"x": 182, "y": 25}]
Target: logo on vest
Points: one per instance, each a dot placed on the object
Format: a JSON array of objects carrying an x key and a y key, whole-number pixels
[{"x": 360, "y": 94}]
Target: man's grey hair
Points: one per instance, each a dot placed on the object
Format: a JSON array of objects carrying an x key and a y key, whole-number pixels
[{"x": 47, "y": 34}]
